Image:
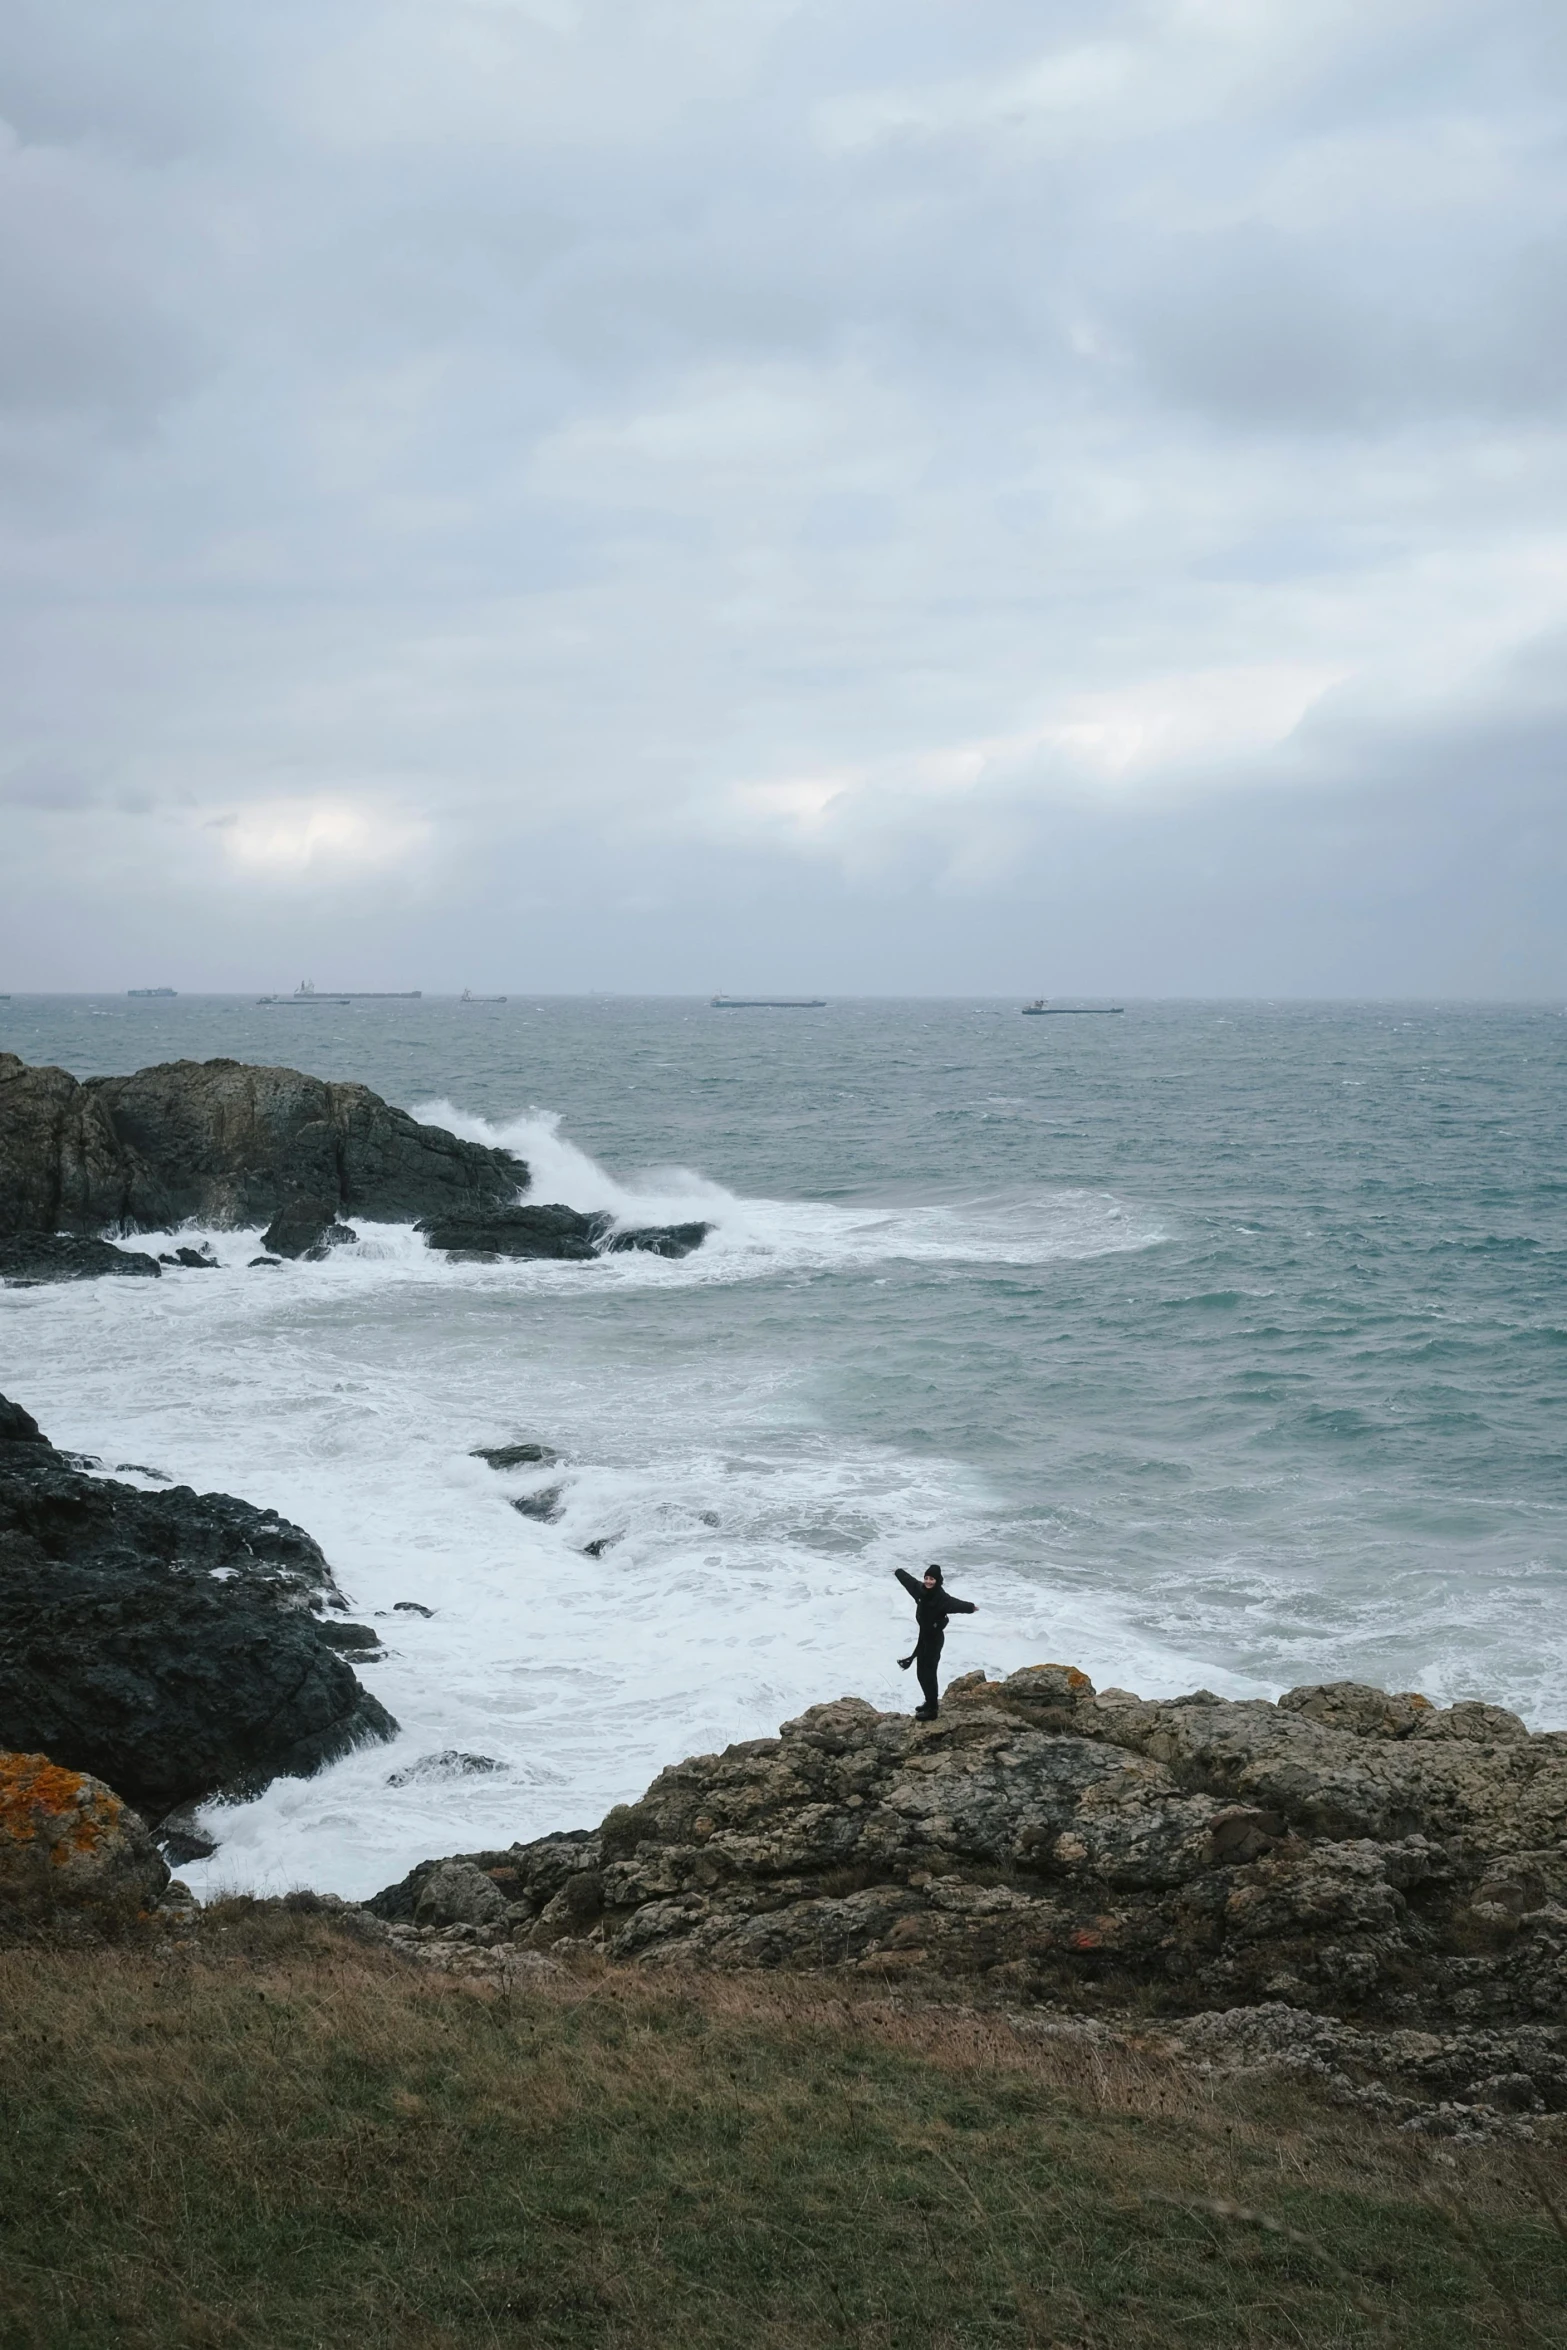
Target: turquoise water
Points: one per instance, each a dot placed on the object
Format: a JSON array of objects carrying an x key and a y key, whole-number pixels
[{"x": 1220, "y": 1342}]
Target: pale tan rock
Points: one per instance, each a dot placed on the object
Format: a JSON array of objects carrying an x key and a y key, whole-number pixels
[{"x": 1041, "y": 1835}]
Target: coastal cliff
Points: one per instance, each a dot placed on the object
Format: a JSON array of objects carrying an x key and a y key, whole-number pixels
[{"x": 225, "y": 1144}]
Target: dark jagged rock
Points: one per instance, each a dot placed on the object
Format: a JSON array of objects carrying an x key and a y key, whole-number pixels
[
  {"x": 165, "y": 1641},
  {"x": 516, "y": 1456},
  {"x": 451, "y": 1763},
  {"x": 61, "y": 1162},
  {"x": 181, "y": 1838},
  {"x": 19, "y": 1427},
  {"x": 1343, "y": 1852},
  {"x": 547, "y": 1507},
  {"x": 307, "y": 1228},
  {"x": 351, "y": 1639},
  {"x": 223, "y": 1143},
  {"x": 659, "y": 1240},
  {"x": 558, "y": 1233},
  {"x": 27, "y": 1258},
  {"x": 564, "y": 1235},
  {"x": 194, "y": 1260}
]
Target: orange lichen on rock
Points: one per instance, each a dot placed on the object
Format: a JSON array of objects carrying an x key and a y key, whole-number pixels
[
  {"x": 37, "y": 1795},
  {"x": 65, "y": 1836}
]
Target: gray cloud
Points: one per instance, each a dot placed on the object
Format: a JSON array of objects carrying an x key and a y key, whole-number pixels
[{"x": 853, "y": 487}]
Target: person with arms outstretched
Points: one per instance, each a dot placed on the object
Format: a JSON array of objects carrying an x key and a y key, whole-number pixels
[{"x": 932, "y": 1606}]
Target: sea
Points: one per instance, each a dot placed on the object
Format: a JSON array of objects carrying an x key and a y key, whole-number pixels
[{"x": 1213, "y": 1345}]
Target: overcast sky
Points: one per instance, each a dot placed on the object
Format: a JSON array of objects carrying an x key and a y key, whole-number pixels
[{"x": 946, "y": 496}]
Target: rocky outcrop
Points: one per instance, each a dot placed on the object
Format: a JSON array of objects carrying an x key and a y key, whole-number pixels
[
  {"x": 552, "y": 1231},
  {"x": 166, "y": 1642},
  {"x": 69, "y": 1842},
  {"x": 1342, "y": 1851},
  {"x": 307, "y": 1229},
  {"x": 27, "y": 1258},
  {"x": 19, "y": 1427},
  {"x": 223, "y": 1143}
]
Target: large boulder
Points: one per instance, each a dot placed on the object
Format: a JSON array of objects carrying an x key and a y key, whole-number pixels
[
  {"x": 307, "y": 1228},
  {"x": 224, "y": 1143},
  {"x": 166, "y": 1642},
  {"x": 28, "y": 1258},
  {"x": 1343, "y": 1851},
  {"x": 564, "y": 1234},
  {"x": 68, "y": 1842}
]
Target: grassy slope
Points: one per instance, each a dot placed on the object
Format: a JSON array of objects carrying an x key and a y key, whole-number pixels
[{"x": 277, "y": 2138}]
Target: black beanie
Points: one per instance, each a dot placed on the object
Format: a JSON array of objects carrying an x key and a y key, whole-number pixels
[{"x": 934, "y": 1570}]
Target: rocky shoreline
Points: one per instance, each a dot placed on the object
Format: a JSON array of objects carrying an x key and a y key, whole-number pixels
[
  {"x": 1360, "y": 1887},
  {"x": 229, "y": 1146},
  {"x": 1353, "y": 1851},
  {"x": 174, "y": 1645}
]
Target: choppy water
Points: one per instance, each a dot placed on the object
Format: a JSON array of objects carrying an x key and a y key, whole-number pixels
[{"x": 1215, "y": 1345}]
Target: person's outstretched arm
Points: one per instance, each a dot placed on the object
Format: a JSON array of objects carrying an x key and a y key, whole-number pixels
[
  {"x": 914, "y": 1590},
  {"x": 961, "y": 1607}
]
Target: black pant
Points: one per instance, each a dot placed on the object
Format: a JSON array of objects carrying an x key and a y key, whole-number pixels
[{"x": 927, "y": 1656}]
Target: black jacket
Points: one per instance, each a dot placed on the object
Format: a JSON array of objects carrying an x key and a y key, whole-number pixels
[{"x": 932, "y": 1607}]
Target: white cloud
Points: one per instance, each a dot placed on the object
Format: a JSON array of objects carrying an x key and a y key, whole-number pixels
[{"x": 293, "y": 839}]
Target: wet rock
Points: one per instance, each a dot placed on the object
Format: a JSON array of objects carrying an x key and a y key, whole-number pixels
[
  {"x": 165, "y": 1642},
  {"x": 223, "y": 1143},
  {"x": 451, "y": 1763},
  {"x": 195, "y": 1260},
  {"x": 69, "y": 1842},
  {"x": 19, "y": 1427},
  {"x": 658, "y": 1240},
  {"x": 308, "y": 1229},
  {"x": 254, "y": 1261},
  {"x": 181, "y": 1838},
  {"x": 516, "y": 1456},
  {"x": 351, "y": 1639},
  {"x": 551, "y": 1231},
  {"x": 28, "y": 1259},
  {"x": 1353, "y": 1853},
  {"x": 546, "y": 1507},
  {"x": 410, "y": 1607}
]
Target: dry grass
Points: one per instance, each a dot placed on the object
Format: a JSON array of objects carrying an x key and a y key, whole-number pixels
[{"x": 277, "y": 2137}]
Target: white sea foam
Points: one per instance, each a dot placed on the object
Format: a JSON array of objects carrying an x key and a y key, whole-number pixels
[
  {"x": 769, "y": 1235},
  {"x": 746, "y": 1572}
]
